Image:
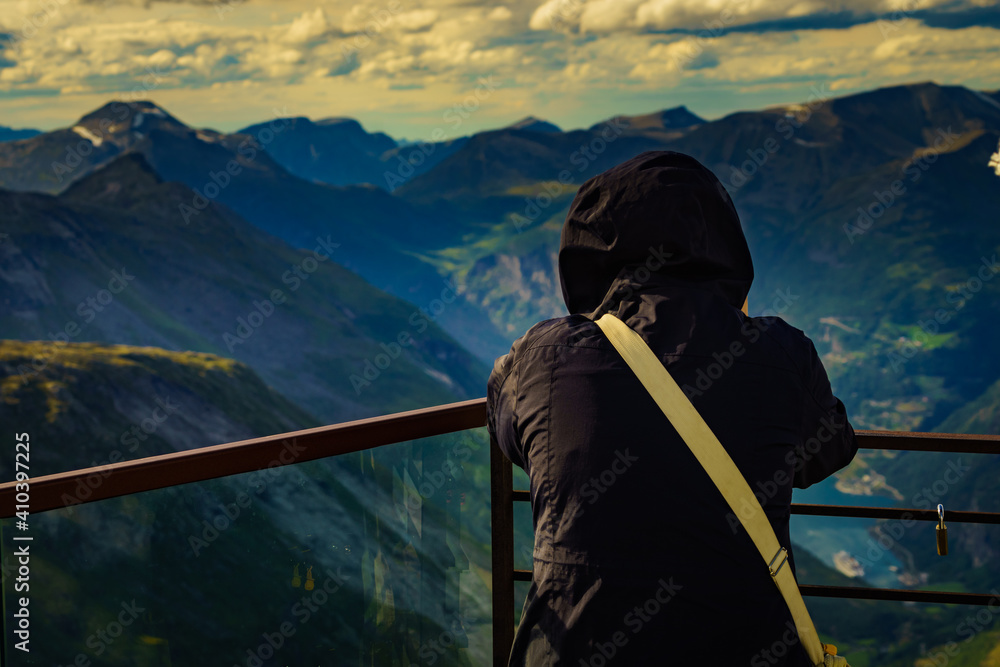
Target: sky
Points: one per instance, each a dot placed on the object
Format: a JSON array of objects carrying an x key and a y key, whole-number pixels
[{"x": 409, "y": 68}]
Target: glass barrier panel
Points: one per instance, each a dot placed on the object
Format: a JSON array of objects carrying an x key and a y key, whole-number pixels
[{"x": 379, "y": 558}]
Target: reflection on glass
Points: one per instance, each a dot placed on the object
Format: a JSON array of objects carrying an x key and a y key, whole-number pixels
[{"x": 380, "y": 558}]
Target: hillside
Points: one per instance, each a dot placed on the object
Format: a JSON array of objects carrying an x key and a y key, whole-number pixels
[
  {"x": 77, "y": 398},
  {"x": 385, "y": 238},
  {"x": 979, "y": 416},
  {"x": 959, "y": 482},
  {"x": 211, "y": 566},
  {"x": 312, "y": 329}
]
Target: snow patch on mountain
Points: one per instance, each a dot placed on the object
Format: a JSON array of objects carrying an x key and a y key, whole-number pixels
[{"x": 88, "y": 135}]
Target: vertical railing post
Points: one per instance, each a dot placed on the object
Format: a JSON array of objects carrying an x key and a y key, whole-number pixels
[{"x": 502, "y": 529}]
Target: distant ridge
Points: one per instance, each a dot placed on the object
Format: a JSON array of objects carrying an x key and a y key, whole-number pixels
[
  {"x": 532, "y": 124},
  {"x": 10, "y": 134},
  {"x": 675, "y": 118},
  {"x": 337, "y": 151}
]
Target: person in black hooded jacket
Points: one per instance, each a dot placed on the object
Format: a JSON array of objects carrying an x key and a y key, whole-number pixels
[{"x": 638, "y": 559}]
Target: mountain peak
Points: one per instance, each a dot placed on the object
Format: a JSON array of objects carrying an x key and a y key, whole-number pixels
[
  {"x": 339, "y": 120},
  {"x": 917, "y": 107},
  {"x": 680, "y": 116},
  {"x": 533, "y": 124},
  {"x": 120, "y": 112},
  {"x": 336, "y": 151},
  {"x": 119, "y": 122},
  {"x": 674, "y": 118},
  {"x": 122, "y": 181}
]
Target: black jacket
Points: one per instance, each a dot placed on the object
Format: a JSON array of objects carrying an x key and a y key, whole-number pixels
[{"x": 638, "y": 559}]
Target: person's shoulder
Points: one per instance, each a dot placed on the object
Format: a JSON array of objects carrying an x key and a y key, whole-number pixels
[
  {"x": 787, "y": 341},
  {"x": 569, "y": 330}
]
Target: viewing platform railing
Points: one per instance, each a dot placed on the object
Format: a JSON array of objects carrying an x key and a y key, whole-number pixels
[{"x": 158, "y": 472}]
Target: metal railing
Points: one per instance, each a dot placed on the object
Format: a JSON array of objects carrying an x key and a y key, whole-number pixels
[{"x": 157, "y": 472}]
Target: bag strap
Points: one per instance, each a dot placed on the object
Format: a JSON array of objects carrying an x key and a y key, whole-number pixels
[{"x": 720, "y": 467}]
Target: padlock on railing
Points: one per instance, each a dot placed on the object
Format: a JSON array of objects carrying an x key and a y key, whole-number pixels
[{"x": 942, "y": 533}]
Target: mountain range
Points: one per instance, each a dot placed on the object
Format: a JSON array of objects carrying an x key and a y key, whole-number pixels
[
  {"x": 218, "y": 284},
  {"x": 871, "y": 219}
]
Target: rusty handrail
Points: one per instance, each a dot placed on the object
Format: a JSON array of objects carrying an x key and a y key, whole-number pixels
[
  {"x": 196, "y": 465},
  {"x": 157, "y": 472},
  {"x": 502, "y": 548}
]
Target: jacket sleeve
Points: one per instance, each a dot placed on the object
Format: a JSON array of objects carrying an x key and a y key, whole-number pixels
[
  {"x": 501, "y": 401},
  {"x": 828, "y": 441}
]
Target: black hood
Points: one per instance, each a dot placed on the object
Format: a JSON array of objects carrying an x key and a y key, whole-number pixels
[{"x": 658, "y": 203}]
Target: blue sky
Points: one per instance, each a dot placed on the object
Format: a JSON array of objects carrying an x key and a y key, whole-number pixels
[{"x": 408, "y": 68}]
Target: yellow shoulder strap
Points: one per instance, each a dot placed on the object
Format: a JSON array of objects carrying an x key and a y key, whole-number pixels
[{"x": 720, "y": 467}]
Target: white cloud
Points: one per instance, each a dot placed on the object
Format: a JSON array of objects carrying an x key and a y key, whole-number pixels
[
  {"x": 608, "y": 16},
  {"x": 556, "y": 15},
  {"x": 860, "y": 53},
  {"x": 418, "y": 19},
  {"x": 500, "y": 13},
  {"x": 418, "y": 57},
  {"x": 896, "y": 47},
  {"x": 308, "y": 26}
]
